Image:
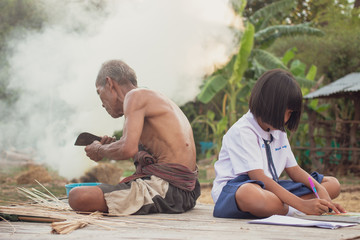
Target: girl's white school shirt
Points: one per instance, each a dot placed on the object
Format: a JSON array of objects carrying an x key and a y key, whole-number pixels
[{"x": 243, "y": 150}]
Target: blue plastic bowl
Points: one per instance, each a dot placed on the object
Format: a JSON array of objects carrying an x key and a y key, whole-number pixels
[{"x": 73, "y": 185}]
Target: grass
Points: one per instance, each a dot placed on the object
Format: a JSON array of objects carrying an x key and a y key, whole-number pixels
[
  {"x": 8, "y": 181},
  {"x": 128, "y": 173}
]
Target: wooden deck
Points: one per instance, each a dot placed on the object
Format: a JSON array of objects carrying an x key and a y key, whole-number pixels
[{"x": 195, "y": 224}]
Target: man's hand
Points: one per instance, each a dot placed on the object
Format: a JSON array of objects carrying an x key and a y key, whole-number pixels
[
  {"x": 92, "y": 151},
  {"x": 106, "y": 140}
]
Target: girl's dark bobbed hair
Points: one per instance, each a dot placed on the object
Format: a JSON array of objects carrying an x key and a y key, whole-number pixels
[{"x": 275, "y": 92}]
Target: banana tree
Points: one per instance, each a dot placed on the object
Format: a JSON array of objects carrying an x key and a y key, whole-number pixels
[
  {"x": 252, "y": 58},
  {"x": 268, "y": 28},
  {"x": 236, "y": 78},
  {"x": 233, "y": 85}
]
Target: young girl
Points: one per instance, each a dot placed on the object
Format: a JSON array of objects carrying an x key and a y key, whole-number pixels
[{"x": 256, "y": 150}]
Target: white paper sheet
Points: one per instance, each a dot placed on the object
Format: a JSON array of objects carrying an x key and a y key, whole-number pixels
[{"x": 292, "y": 221}]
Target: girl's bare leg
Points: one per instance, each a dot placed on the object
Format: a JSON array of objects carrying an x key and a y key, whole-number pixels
[{"x": 252, "y": 198}]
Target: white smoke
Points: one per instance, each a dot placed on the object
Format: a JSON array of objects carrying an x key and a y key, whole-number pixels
[{"x": 171, "y": 45}]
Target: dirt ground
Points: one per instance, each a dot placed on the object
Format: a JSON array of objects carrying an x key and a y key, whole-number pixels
[{"x": 12, "y": 177}]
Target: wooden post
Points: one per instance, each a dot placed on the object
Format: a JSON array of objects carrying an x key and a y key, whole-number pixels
[
  {"x": 316, "y": 164},
  {"x": 327, "y": 152},
  {"x": 354, "y": 130}
]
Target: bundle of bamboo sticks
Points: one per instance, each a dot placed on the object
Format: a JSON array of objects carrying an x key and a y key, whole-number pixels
[
  {"x": 79, "y": 222},
  {"x": 43, "y": 199},
  {"x": 64, "y": 220}
]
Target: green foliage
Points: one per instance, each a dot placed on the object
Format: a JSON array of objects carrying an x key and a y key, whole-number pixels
[
  {"x": 218, "y": 129},
  {"x": 212, "y": 86},
  {"x": 314, "y": 105},
  {"x": 337, "y": 54},
  {"x": 267, "y": 36},
  {"x": 267, "y": 60},
  {"x": 271, "y": 11},
  {"x": 232, "y": 83},
  {"x": 258, "y": 58},
  {"x": 118, "y": 134},
  {"x": 218, "y": 82},
  {"x": 241, "y": 62},
  {"x": 289, "y": 55},
  {"x": 311, "y": 73},
  {"x": 306, "y": 80},
  {"x": 298, "y": 69},
  {"x": 305, "y": 11}
]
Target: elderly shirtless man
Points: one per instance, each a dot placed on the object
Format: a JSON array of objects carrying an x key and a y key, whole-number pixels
[{"x": 157, "y": 135}]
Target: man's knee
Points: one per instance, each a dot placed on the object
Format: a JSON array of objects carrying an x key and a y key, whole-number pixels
[
  {"x": 87, "y": 199},
  {"x": 77, "y": 198}
]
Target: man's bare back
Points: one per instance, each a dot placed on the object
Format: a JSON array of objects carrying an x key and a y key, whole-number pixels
[{"x": 166, "y": 132}]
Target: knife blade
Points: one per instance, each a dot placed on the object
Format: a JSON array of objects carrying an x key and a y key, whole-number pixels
[{"x": 86, "y": 138}]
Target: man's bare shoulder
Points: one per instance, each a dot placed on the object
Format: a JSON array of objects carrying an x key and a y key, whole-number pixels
[
  {"x": 151, "y": 101},
  {"x": 136, "y": 96},
  {"x": 143, "y": 93},
  {"x": 147, "y": 96}
]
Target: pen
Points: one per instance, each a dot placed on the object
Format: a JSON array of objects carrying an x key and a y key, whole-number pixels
[{"x": 313, "y": 188}]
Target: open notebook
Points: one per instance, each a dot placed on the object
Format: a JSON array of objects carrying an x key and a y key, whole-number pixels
[
  {"x": 350, "y": 217},
  {"x": 293, "y": 221}
]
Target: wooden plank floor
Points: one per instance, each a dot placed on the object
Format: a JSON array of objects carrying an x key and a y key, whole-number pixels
[{"x": 195, "y": 224}]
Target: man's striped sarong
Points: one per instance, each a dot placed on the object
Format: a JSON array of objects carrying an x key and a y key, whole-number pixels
[{"x": 153, "y": 188}]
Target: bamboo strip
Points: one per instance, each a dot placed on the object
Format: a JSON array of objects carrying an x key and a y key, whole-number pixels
[
  {"x": 14, "y": 229},
  {"x": 44, "y": 199}
]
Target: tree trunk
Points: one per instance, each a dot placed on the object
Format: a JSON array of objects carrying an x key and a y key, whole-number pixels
[{"x": 357, "y": 4}]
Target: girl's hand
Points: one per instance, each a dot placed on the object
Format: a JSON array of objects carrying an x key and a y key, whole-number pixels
[
  {"x": 318, "y": 206},
  {"x": 323, "y": 194},
  {"x": 339, "y": 207}
]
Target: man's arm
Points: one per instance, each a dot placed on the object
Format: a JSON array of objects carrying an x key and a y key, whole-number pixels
[
  {"x": 312, "y": 206},
  {"x": 127, "y": 146}
]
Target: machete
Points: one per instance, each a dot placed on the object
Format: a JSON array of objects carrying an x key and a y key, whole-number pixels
[{"x": 86, "y": 138}]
